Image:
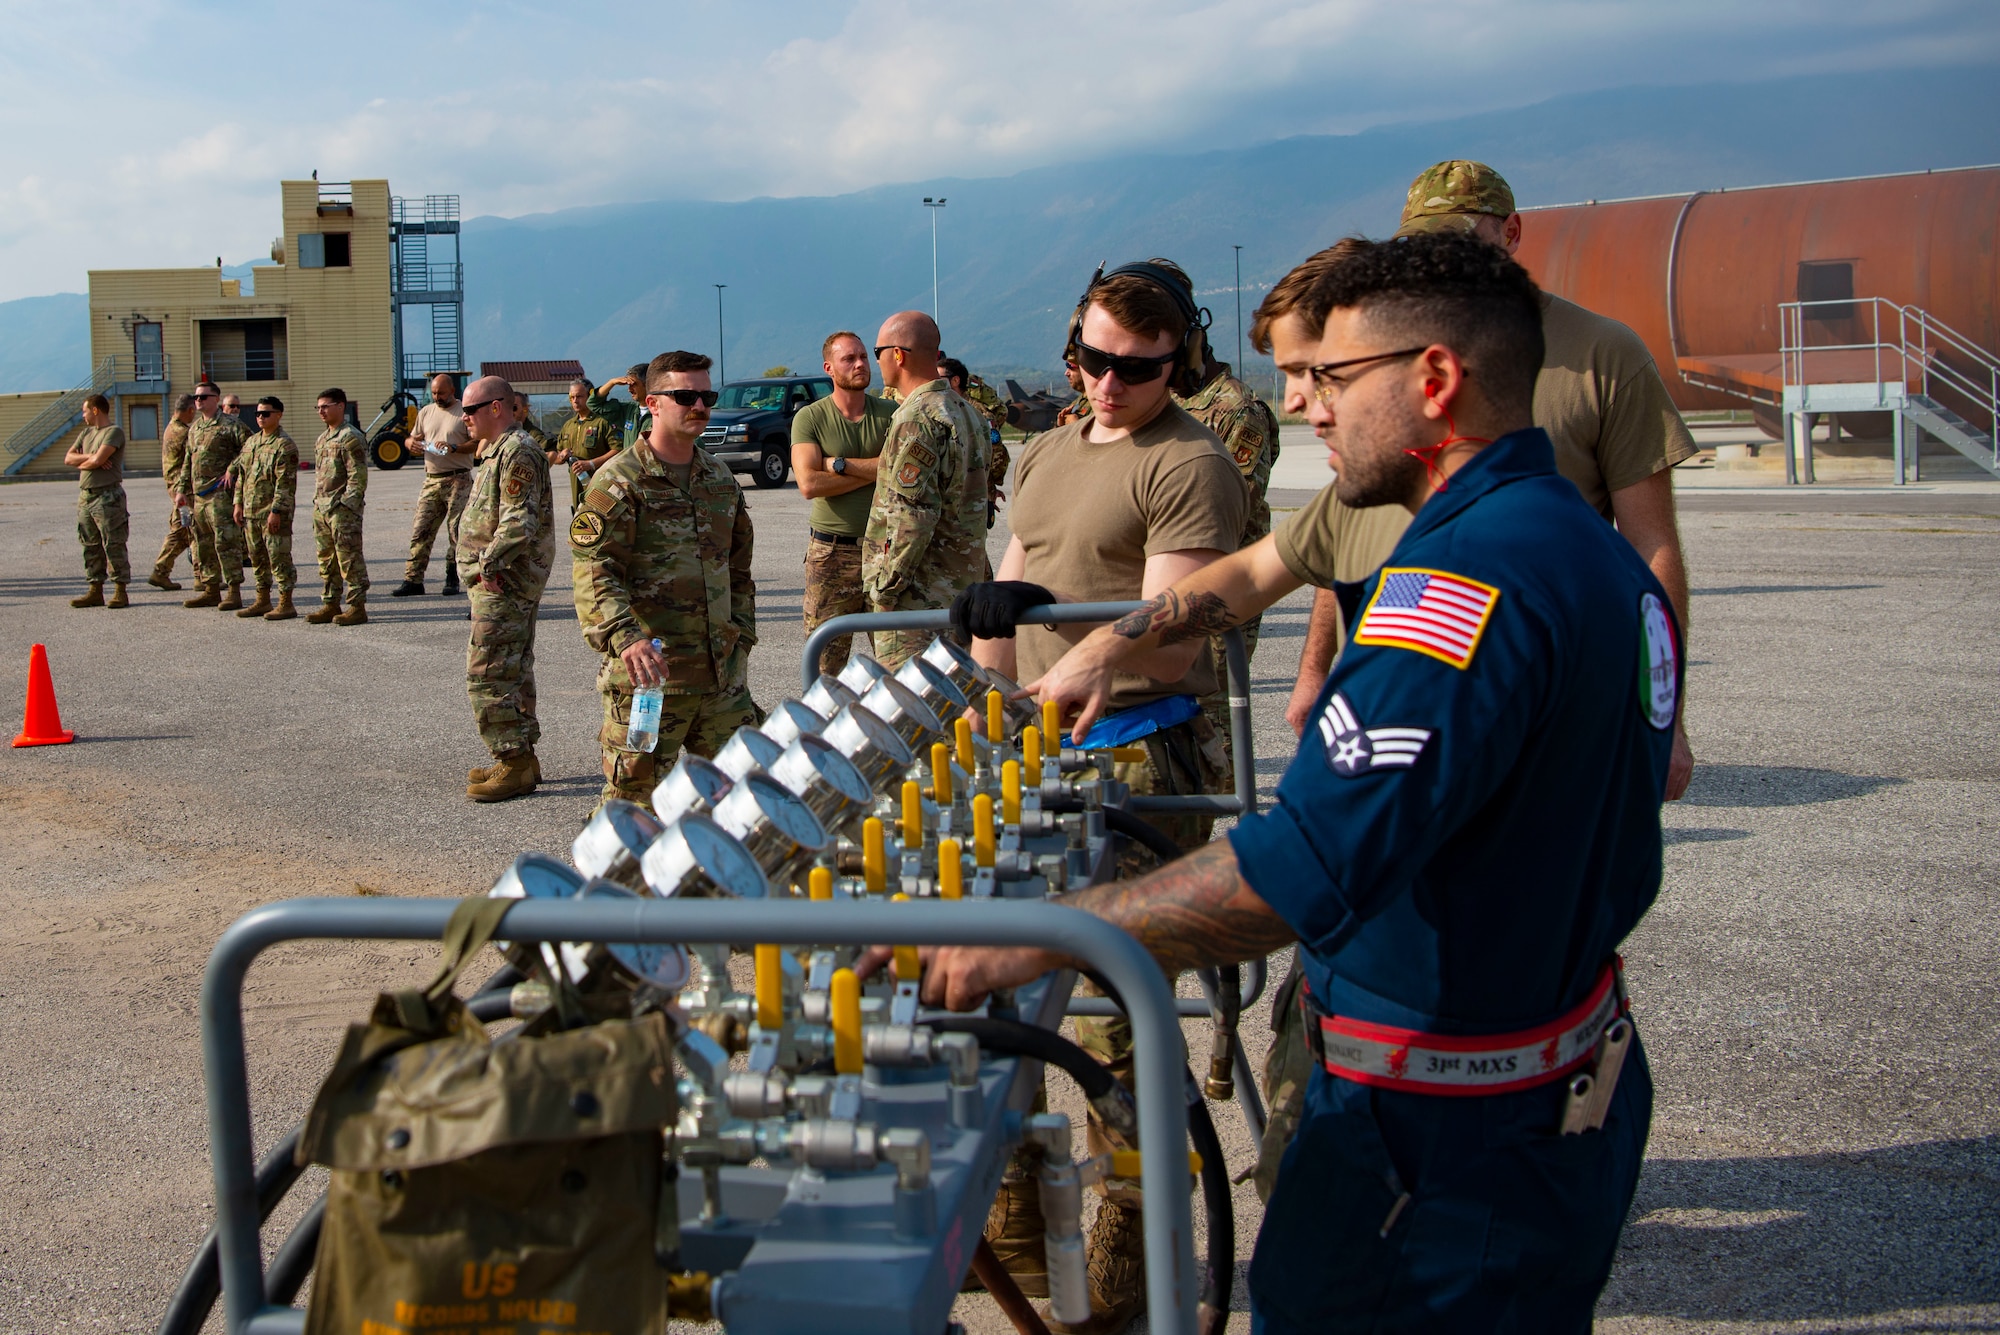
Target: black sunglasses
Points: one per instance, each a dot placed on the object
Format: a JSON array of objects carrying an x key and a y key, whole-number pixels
[
  {"x": 206, "y": 396},
  {"x": 688, "y": 398},
  {"x": 267, "y": 412},
  {"x": 889, "y": 347},
  {"x": 1131, "y": 370},
  {"x": 472, "y": 408}
]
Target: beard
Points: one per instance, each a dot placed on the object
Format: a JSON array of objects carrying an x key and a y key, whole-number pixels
[{"x": 1374, "y": 470}]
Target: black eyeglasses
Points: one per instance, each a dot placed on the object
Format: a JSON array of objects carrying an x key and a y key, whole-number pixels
[
  {"x": 472, "y": 408},
  {"x": 266, "y": 412},
  {"x": 1326, "y": 389},
  {"x": 1131, "y": 370},
  {"x": 890, "y": 347},
  {"x": 687, "y": 398}
]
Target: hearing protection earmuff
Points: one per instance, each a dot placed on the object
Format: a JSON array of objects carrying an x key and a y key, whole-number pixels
[{"x": 1192, "y": 355}]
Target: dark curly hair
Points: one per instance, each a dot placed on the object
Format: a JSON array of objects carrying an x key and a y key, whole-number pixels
[{"x": 1449, "y": 288}]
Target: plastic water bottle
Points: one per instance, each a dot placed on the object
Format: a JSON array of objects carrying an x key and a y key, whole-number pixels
[{"x": 644, "y": 732}]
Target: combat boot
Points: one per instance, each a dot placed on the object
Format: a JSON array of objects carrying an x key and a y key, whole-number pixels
[
  {"x": 118, "y": 598},
  {"x": 160, "y": 580},
  {"x": 450, "y": 589},
  {"x": 481, "y": 773},
  {"x": 409, "y": 588},
  {"x": 206, "y": 598},
  {"x": 284, "y": 611},
  {"x": 1117, "y": 1272},
  {"x": 328, "y": 610},
  {"x": 355, "y": 615},
  {"x": 261, "y": 606},
  {"x": 514, "y": 776},
  {"x": 94, "y": 597},
  {"x": 1015, "y": 1229},
  {"x": 234, "y": 599}
]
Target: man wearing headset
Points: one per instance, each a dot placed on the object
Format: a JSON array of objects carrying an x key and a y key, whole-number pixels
[{"x": 1114, "y": 507}]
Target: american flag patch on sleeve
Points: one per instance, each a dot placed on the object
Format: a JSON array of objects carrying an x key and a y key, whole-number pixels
[{"x": 1430, "y": 611}]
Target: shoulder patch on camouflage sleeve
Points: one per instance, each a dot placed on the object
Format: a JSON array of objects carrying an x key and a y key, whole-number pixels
[
  {"x": 586, "y": 529},
  {"x": 518, "y": 478},
  {"x": 922, "y": 454}
]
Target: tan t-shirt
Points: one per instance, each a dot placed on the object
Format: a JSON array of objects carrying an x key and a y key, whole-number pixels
[
  {"x": 439, "y": 425},
  {"x": 1088, "y": 516},
  {"x": 1599, "y": 397},
  {"x": 94, "y": 439}
]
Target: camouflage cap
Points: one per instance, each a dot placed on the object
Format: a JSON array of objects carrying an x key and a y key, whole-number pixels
[{"x": 1453, "y": 196}]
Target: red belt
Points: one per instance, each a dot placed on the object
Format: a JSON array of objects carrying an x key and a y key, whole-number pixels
[{"x": 1460, "y": 1064}]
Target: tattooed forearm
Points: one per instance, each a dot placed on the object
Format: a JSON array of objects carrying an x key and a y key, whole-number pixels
[
  {"x": 1176, "y": 619},
  {"x": 1194, "y": 912}
]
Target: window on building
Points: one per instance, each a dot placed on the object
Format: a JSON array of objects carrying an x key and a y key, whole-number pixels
[
  {"x": 143, "y": 423},
  {"x": 1830, "y": 282},
  {"x": 243, "y": 350},
  {"x": 325, "y": 250}
]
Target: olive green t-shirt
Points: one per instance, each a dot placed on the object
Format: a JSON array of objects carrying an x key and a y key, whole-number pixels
[
  {"x": 94, "y": 439},
  {"x": 1088, "y": 515},
  {"x": 1600, "y": 398},
  {"x": 822, "y": 423}
]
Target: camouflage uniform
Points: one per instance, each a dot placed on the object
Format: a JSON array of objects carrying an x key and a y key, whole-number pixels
[
  {"x": 102, "y": 521},
  {"x": 926, "y": 535},
  {"x": 588, "y": 439},
  {"x": 1249, "y": 432},
  {"x": 441, "y": 504},
  {"x": 1452, "y": 196},
  {"x": 267, "y": 483},
  {"x": 982, "y": 397},
  {"x": 656, "y": 559},
  {"x": 1076, "y": 412},
  {"x": 340, "y": 484},
  {"x": 173, "y": 451},
  {"x": 212, "y": 447},
  {"x": 507, "y": 536}
]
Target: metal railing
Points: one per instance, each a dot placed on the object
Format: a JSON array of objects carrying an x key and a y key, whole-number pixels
[
  {"x": 153, "y": 369},
  {"x": 1242, "y": 803},
  {"x": 1158, "y": 1048},
  {"x": 405, "y": 210},
  {"x": 35, "y": 435},
  {"x": 1907, "y": 346},
  {"x": 246, "y": 366},
  {"x": 424, "y": 277}
]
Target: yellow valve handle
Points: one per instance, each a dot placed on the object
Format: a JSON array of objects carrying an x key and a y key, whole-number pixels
[
  {"x": 951, "y": 874},
  {"x": 874, "y": 857},
  {"x": 913, "y": 814},
  {"x": 1128, "y": 755},
  {"x": 1052, "y": 723},
  {"x": 819, "y": 883},
  {"x": 770, "y": 988},
  {"x": 1010, "y": 793},
  {"x": 961, "y": 731},
  {"x": 1125, "y": 1163},
  {"x": 845, "y": 1005},
  {"x": 996, "y": 717},
  {"x": 909, "y": 964},
  {"x": 940, "y": 774},
  {"x": 1031, "y": 751},
  {"x": 982, "y": 830}
]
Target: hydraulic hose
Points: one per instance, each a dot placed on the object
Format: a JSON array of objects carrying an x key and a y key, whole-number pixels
[
  {"x": 1101, "y": 1089},
  {"x": 1219, "y": 1270},
  {"x": 294, "y": 1260},
  {"x": 1147, "y": 836}
]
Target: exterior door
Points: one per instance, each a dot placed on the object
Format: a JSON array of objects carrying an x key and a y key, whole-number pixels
[{"x": 148, "y": 360}]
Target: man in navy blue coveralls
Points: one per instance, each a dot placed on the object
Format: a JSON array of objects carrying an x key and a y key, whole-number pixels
[{"x": 1469, "y": 830}]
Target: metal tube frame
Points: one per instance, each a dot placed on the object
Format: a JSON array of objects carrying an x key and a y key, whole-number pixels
[
  {"x": 1242, "y": 803},
  {"x": 1159, "y": 1053}
]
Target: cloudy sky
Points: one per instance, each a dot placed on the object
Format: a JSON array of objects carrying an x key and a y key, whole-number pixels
[{"x": 152, "y": 133}]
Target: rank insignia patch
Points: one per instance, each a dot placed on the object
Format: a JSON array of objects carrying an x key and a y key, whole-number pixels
[
  {"x": 1659, "y": 664},
  {"x": 1429, "y": 611},
  {"x": 1352, "y": 749},
  {"x": 587, "y": 529}
]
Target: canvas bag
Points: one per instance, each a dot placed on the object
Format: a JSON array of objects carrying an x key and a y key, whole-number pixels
[{"x": 486, "y": 1184}]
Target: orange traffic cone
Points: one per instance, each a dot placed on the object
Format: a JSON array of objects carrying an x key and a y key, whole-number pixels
[{"x": 42, "y": 725}]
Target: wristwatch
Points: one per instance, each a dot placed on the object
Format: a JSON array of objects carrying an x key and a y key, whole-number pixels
[{"x": 839, "y": 465}]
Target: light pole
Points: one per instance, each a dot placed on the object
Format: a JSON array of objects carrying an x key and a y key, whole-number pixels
[
  {"x": 721, "y": 354},
  {"x": 1239, "y": 311},
  {"x": 934, "y": 205}
]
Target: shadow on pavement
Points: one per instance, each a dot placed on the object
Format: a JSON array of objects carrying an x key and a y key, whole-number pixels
[
  {"x": 1813, "y": 1237},
  {"x": 1735, "y": 589},
  {"x": 1776, "y": 786}
]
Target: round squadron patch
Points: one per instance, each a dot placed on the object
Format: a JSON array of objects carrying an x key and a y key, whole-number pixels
[
  {"x": 587, "y": 529},
  {"x": 1659, "y": 664}
]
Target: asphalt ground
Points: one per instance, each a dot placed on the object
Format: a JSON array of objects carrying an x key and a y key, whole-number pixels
[{"x": 1815, "y": 986}]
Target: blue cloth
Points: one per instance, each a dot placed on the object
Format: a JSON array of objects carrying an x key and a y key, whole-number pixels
[
  {"x": 1129, "y": 725},
  {"x": 1463, "y": 839}
]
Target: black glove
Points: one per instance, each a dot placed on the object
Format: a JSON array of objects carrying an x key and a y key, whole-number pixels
[{"x": 989, "y": 611}]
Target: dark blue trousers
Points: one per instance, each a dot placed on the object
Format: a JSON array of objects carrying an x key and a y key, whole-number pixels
[{"x": 1510, "y": 1227}]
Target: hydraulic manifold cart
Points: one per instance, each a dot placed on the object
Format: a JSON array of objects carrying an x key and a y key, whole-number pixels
[{"x": 838, "y": 1144}]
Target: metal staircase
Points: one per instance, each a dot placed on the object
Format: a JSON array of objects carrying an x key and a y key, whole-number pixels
[
  {"x": 52, "y": 423},
  {"x": 426, "y": 270},
  {"x": 1913, "y": 366}
]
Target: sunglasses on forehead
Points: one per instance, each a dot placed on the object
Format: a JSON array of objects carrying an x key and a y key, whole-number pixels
[
  {"x": 687, "y": 398},
  {"x": 1131, "y": 370}
]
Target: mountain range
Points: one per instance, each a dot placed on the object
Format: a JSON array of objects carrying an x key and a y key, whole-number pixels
[{"x": 614, "y": 284}]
